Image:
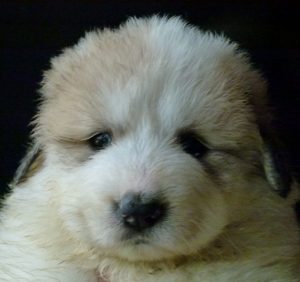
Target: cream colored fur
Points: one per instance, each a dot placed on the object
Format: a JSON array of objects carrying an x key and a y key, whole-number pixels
[{"x": 145, "y": 82}]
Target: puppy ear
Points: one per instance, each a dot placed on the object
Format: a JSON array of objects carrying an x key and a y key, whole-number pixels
[
  {"x": 30, "y": 164},
  {"x": 275, "y": 164},
  {"x": 273, "y": 158}
]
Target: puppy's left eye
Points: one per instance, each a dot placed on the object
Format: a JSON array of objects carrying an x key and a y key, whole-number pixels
[
  {"x": 191, "y": 145},
  {"x": 100, "y": 141}
]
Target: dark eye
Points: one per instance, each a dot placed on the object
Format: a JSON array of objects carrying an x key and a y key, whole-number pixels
[
  {"x": 100, "y": 141},
  {"x": 191, "y": 144}
]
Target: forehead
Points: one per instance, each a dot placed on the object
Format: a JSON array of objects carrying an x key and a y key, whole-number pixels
[{"x": 131, "y": 78}]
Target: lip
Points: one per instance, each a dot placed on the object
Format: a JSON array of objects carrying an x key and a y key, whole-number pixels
[
  {"x": 140, "y": 241},
  {"x": 135, "y": 239}
]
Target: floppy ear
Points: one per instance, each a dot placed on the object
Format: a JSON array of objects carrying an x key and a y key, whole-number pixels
[
  {"x": 275, "y": 164},
  {"x": 30, "y": 164},
  {"x": 274, "y": 159}
]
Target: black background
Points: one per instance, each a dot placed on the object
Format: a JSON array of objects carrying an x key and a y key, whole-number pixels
[{"x": 34, "y": 31}]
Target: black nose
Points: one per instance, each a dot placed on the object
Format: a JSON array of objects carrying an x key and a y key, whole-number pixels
[{"x": 138, "y": 214}]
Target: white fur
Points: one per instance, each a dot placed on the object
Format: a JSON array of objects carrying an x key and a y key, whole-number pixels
[{"x": 145, "y": 82}]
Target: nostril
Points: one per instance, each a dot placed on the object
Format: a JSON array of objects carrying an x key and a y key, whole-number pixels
[
  {"x": 138, "y": 215},
  {"x": 143, "y": 215},
  {"x": 151, "y": 213}
]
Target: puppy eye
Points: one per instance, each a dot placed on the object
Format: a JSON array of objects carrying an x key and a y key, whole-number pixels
[
  {"x": 191, "y": 144},
  {"x": 100, "y": 141}
]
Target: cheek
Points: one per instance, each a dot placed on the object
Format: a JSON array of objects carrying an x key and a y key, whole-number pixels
[
  {"x": 88, "y": 197},
  {"x": 84, "y": 203},
  {"x": 198, "y": 211}
]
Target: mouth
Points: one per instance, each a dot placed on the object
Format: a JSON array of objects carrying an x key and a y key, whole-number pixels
[
  {"x": 136, "y": 238},
  {"x": 140, "y": 241}
]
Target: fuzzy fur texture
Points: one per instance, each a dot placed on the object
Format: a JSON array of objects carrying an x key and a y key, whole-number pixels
[{"x": 145, "y": 83}]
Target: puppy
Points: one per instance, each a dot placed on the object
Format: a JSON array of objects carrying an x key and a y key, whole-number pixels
[{"x": 152, "y": 160}]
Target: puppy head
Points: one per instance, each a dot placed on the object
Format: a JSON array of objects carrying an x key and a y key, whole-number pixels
[{"x": 150, "y": 134}]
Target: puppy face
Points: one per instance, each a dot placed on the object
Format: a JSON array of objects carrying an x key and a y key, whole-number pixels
[{"x": 150, "y": 137}]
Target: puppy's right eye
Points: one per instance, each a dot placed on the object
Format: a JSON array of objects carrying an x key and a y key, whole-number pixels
[
  {"x": 100, "y": 141},
  {"x": 192, "y": 145}
]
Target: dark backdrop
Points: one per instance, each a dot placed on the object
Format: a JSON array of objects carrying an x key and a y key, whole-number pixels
[{"x": 33, "y": 31}]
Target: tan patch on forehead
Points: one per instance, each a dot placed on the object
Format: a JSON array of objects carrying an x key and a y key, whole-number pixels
[{"x": 87, "y": 83}]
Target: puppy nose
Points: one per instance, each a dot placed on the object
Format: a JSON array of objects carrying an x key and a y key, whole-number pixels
[{"x": 139, "y": 215}]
